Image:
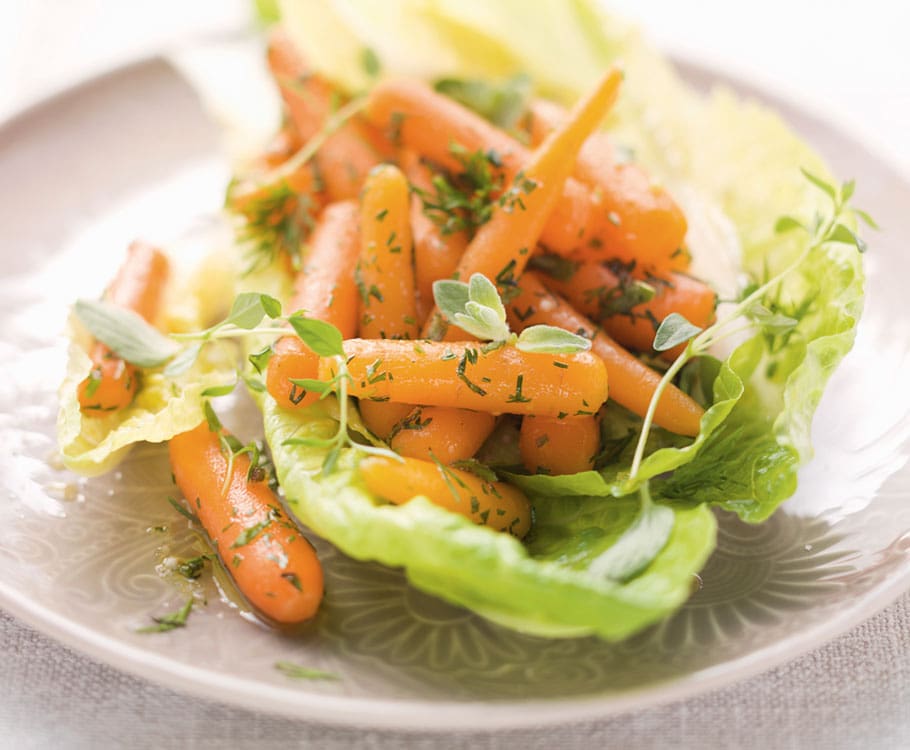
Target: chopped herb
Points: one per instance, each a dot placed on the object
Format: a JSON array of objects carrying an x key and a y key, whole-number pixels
[
  {"x": 298, "y": 672},
  {"x": 171, "y": 621}
]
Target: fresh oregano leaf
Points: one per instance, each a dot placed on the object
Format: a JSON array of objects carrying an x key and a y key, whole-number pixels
[
  {"x": 247, "y": 311},
  {"x": 323, "y": 338},
  {"x": 840, "y": 233},
  {"x": 271, "y": 306},
  {"x": 127, "y": 334},
  {"x": 219, "y": 390},
  {"x": 638, "y": 545},
  {"x": 674, "y": 330},
  {"x": 310, "y": 384},
  {"x": 551, "y": 340},
  {"x": 451, "y": 297},
  {"x": 184, "y": 360},
  {"x": 866, "y": 218},
  {"x": 787, "y": 224},
  {"x": 260, "y": 359},
  {"x": 483, "y": 292},
  {"x": 825, "y": 187}
]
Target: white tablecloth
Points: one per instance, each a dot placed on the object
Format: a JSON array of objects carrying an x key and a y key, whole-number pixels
[{"x": 851, "y": 693}]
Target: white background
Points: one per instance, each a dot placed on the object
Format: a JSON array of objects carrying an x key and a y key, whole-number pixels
[{"x": 849, "y": 60}]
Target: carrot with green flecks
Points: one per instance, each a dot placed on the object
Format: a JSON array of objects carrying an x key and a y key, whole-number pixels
[
  {"x": 632, "y": 383},
  {"x": 495, "y": 504},
  {"x": 594, "y": 290},
  {"x": 436, "y": 255},
  {"x": 501, "y": 248},
  {"x": 446, "y": 434},
  {"x": 471, "y": 376},
  {"x": 273, "y": 565},
  {"x": 325, "y": 289},
  {"x": 385, "y": 273},
  {"x": 559, "y": 446},
  {"x": 113, "y": 383},
  {"x": 636, "y": 219},
  {"x": 348, "y": 153}
]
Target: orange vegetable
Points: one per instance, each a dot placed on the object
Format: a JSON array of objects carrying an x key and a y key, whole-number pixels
[
  {"x": 504, "y": 380},
  {"x": 501, "y": 248},
  {"x": 593, "y": 290},
  {"x": 274, "y": 566},
  {"x": 580, "y": 223},
  {"x": 381, "y": 417},
  {"x": 291, "y": 360},
  {"x": 350, "y": 152},
  {"x": 632, "y": 383},
  {"x": 559, "y": 446},
  {"x": 446, "y": 434},
  {"x": 436, "y": 255},
  {"x": 495, "y": 504},
  {"x": 112, "y": 383},
  {"x": 636, "y": 218}
]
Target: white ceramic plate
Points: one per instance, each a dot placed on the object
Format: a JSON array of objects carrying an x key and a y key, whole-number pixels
[{"x": 133, "y": 155}]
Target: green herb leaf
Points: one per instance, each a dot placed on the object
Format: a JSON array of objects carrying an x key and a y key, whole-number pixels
[
  {"x": 674, "y": 330},
  {"x": 451, "y": 297},
  {"x": 219, "y": 390},
  {"x": 825, "y": 187},
  {"x": 250, "y": 533},
  {"x": 323, "y": 338},
  {"x": 846, "y": 190},
  {"x": 639, "y": 544},
  {"x": 249, "y": 309},
  {"x": 370, "y": 62},
  {"x": 556, "y": 266},
  {"x": 211, "y": 418},
  {"x": 551, "y": 340},
  {"x": 171, "y": 621},
  {"x": 126, "y": 333},
  {"x": 771, "y": 322},
  {"x": 298, "y": 672},
  {"x": 254, "y": 384},
  {"x": 866, "y": 218},
  {"x": 260, "y": 359},
  {"x": 840, "y": 233},
  {"x": 787, "y": 224},
  {"x": 481, "y": 321},
  {"x": 311, "y": 384},
  {"x": 184, "y": 360},
  {"x": 502, "y": 104},
  {"x": 178, "y": 506}
]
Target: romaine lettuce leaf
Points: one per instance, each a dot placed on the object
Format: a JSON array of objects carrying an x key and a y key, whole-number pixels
[{"x": 543, "y": 587}]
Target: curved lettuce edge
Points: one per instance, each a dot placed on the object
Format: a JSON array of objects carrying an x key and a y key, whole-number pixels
[
  {"x": 162, "y": 408},
  {"x": 534, "y": 588},
  {"x": 732, "y": 154}
]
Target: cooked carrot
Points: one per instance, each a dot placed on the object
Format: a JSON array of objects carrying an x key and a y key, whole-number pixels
[
  {"x": 386, "y": 269},
  {"x": 381, "y": 417},
  {"x": 112, "y": 383},
  {"x": 291, "y": 360},
  {"x": 502, "y": 247},
  {"x": 636, "y": 219},
  {"x": 594, "y": 290},
  {"x": 449, "y": 435},
  {"x": 350, "y": 152},
  {"x": 632, "y": 383},
  {"x": 559, "y": 446},
  {"x": 273, "y": 565},
  {"x": 325, "y": 287},
  {"x": 436, "y": 255},
  {"x": 495, "y": 504},
  {"x": 463, "y": 375},
  {"x": 282, "y": 146},
  {"x": 428, "y": 123}
]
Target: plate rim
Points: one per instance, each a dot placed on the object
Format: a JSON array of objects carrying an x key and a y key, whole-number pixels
[{"x": 446, "y": 716}]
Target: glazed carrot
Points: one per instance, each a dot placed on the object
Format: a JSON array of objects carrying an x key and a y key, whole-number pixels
[
  {"x": 449, "y": 435},
  {"x": 495, "y": 504},
  {"x": 632, "y": 383},
  {"x": 112, "y": 383},
  {"x": 643, "y": 222},
  {"x": 349, "y": 153},
  {"x": 428, "y": 123},
  {"x": 501, "y": 248},
  {"x": 559, "y": 446},
  {"x": 273, "y": 565},
  {"x": 282, "y": 146},
  {"x": 325, "y": 289},
  {"x": 381, "y": 417},
  {"x": 596, "y": 291},
  {"x": 463, "y": 375},
  {"x": 385, "y": 272},
  {"x": 436, "y": 255}
]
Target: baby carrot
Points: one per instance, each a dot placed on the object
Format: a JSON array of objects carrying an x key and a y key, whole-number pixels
[
  {"x": 112, "y": 383},
  {"x": 436, "y": 255},
  {"x": 501, "y": 248},
  {"x": 636, "y": 219},
  {"x": 349, "y": 153},
  {"x": 446, "y": 434},
  {"x": 385, "y": 273},
  {"x": 559, "y": 446},
  {"x": 382, "y": 417},
  {"x": 503, "y": 380},
  {"x": 325, "y": 289},
  {"x": 594, "y": 290},
  {"x": 632, "y": 383},
  {"x": 274, "y": 566},
  {"x": 495, "y": 504}
]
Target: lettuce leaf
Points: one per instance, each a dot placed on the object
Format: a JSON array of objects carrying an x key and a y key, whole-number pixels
[{"x": 542, "y": 587}]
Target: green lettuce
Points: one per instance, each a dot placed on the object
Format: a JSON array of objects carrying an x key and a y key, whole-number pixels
[{"x": 735, "y": 166}]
